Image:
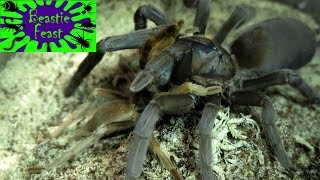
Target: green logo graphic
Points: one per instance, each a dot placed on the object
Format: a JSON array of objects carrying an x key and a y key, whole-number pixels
[{"x": 47, "y": 26}]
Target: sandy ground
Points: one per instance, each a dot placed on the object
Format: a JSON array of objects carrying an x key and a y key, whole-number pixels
[{"x": 31, "y": 100}]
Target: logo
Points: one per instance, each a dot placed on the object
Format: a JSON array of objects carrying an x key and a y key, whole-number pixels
[{"x": 47, "y": 26}]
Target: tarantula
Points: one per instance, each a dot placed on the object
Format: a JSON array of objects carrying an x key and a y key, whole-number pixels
[{"x": 181, "y": 72}]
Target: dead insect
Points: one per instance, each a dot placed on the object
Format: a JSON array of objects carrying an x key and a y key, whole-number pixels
[
  {"x": 84, "y": 43},
  {"x": 196, "y": 71},
  {"x": 16, "y": 27},
  {"x": 87, "y": 9},
  {"x": 10, "y": 6}
]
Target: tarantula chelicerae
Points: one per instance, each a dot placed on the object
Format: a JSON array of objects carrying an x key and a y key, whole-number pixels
[{"x": 182, "y": 72}]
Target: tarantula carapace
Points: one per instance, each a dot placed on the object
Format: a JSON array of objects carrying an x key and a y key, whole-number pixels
[{"x": 181, "y": 72}]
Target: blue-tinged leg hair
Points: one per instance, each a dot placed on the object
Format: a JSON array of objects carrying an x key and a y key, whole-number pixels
[
  {"x": 283, "y": 76},
  {"x": 133, "y": 40},
  {"x": 205, "y": 126},
  {"x": 268, "y": 116},
  {"x": 240, "y": 15},
  {"x": 84, "y": 69},
  {"x": 148, "y": 12},
  {"x": 166, "y": 104},
  {"x": 202, "y": 15},
  {"x": 160, "y": 68}
]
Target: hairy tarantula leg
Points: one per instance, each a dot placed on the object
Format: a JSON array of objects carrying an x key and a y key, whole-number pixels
[
  {"x": 114, "y": 117},
  {"x": 71, "y": 118},
  {"x": 159, "y": 69},
  {"x": 205, "y": 126},
  {"x": 167, "y": 104},
  {"x": 165, "y": 161},
  {"x": 240, "y": 15},
  {"x": 75, "y": 150},
  {"x": 84, "y": 69},
  {"x": 202, "y": 15},
  {"x": 268, "y": 116},
  {"x": 131, "y": 40},
  {"x": 97, "y": 98},
  {"x": 281, "y": 77},
  {"x": 148, "y": 12}
]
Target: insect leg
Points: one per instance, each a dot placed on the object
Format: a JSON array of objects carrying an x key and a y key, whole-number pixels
[
  {"x": 82, "y": 34},
  {"x": 78, "y": 35}
]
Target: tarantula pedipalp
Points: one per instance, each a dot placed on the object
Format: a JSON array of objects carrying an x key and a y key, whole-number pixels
[{"x": 267, "y": 53}]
